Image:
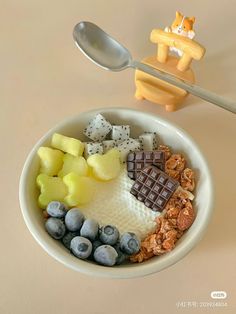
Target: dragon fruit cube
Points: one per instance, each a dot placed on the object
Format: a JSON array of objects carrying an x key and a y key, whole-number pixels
[
  {"x": 148, "y": 141},
  {"x": 98, "y": 128},
  {"x": 155, "y": 140},
  {"x": 91, "y": 148},
  {"x": 127, "y": 146},
  {"x": 120, "y": 132},
  {"x": 109, "y": 144}
]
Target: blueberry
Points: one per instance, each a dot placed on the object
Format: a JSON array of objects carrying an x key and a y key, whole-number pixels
[
  {"x": 96, "y": 244},
  {"x": 89, "y": 229},
  {"x": 74, "y": 219},
  {"x": 129, "y": 243},
  {"x": 67, "y": 238},
  {"x": 105, "y": 255},
  {"x": 56, "y": 209},
  {"x": 55, "y": 227},
  {"x": 109, "y": 234},
  {"x": 121, "y": 255},
  {"x": 81, "y": 247}
]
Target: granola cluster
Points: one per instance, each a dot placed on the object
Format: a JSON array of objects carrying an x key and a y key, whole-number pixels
[
  {"x": 166, "y": 150},
  {"x": 174, "y": 166},
  {"x": 187, "y": 179},
  {"x": 179, "y": 212}
]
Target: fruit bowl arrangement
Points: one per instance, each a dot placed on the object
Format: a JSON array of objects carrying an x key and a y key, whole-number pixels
[{"x": 99, "y": 186}]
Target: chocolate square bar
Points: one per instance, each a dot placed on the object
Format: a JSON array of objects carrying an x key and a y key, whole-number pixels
[
  {"x": 154, "y": 188},
  {"x": 136, "y": 161}
]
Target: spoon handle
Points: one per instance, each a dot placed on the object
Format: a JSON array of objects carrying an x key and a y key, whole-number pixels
[{"x": 191, "y": 88}]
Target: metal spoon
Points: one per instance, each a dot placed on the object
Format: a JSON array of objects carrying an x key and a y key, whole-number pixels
[{"x": 109, "y": 54}]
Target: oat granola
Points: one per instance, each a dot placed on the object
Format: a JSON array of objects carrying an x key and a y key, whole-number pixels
[
  {"x": 179, "y": 212},
  {"x": 166, "y": 150},
  {"x": 174, "y": 166},
  {"x": 187, "y": 179}
]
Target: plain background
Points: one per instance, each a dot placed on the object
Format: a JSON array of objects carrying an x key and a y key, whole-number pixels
[{"x": 44, "y": 79}]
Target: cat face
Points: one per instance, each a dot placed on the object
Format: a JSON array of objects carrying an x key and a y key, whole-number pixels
[{"x": 182, "y": 24}]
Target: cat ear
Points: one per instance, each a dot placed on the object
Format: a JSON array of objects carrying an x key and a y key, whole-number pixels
[
  {"x": 178, "y": 14},
  {"x": 192, "y": 19}
]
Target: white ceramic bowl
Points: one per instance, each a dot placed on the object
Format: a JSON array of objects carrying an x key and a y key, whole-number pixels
[{"x": 169, "y": 134}]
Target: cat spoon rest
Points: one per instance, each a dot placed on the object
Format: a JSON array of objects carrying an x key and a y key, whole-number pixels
[{"x": 177, "y": 39}]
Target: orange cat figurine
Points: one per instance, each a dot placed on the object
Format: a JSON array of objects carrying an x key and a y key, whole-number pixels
[{"x": 183, "y": 26}]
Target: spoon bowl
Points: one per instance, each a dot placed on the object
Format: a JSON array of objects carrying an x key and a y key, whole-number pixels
[{"x": 100, "y": 47}]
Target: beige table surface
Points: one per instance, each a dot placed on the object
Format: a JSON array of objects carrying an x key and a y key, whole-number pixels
[{"x": 44, "y": 79}]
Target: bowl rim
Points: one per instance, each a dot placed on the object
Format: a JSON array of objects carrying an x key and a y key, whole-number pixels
[{"x": 137, "y": 270}]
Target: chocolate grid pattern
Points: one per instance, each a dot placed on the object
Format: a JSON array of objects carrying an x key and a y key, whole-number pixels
[
  {"x": 136, "y": 161},
  {"x": 154, "y": 188}
]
